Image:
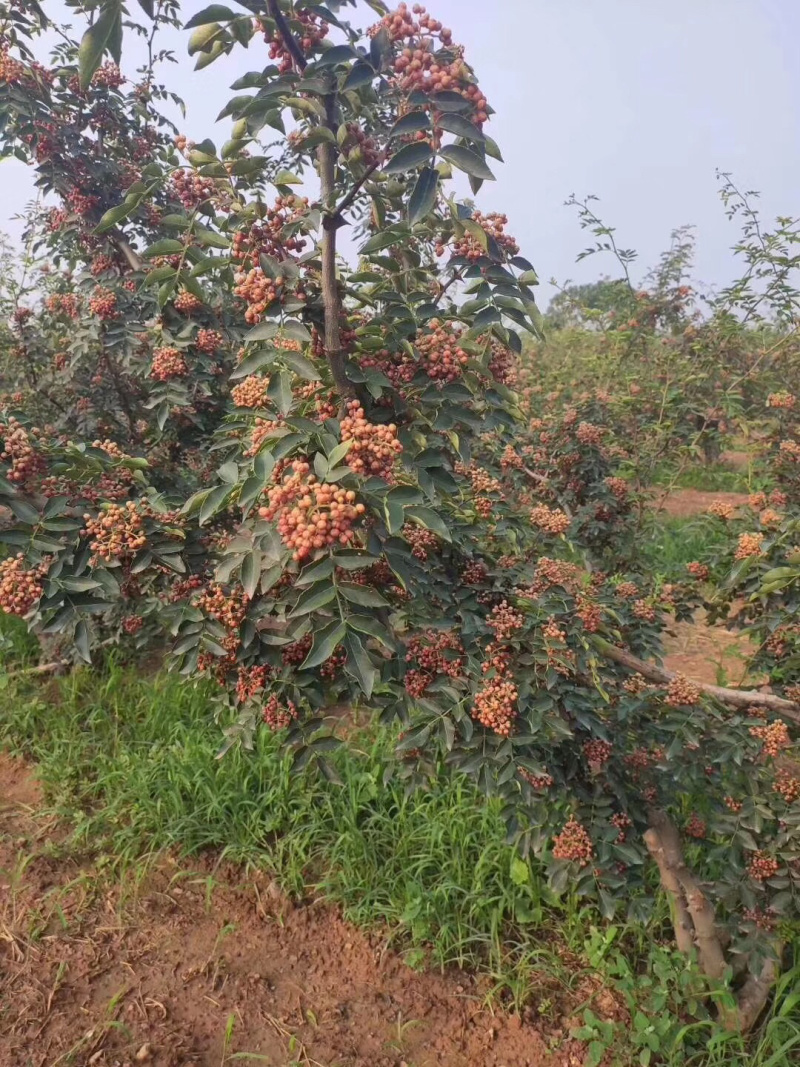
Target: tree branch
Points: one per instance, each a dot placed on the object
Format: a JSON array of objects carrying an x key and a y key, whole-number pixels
[
  {"x": 289, "y": 39},
  {"x": 695, "y": 925},
  {"x": 134, "y": 261},
  {"x": 739, "y": 698},
  {"x": 350, "y": 198},
  {"x": 326, "y": 157}
]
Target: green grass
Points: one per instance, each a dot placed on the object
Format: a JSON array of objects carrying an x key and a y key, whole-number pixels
[
  {"x": 717, "y": 477},
  {"x": 128, "y": 763},
  {"x": 670, "y": 543}
]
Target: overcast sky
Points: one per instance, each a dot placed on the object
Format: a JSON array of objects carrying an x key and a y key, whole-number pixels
[{"x": 636, "y": 101}]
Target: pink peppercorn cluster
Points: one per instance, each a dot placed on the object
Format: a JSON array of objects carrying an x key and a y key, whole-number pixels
[
  {"x": 573, "y": 843},
  {"x": 168, "y": 363},
  {"x": 375, "y": 447},
  {"x": 311, "y": 514}
]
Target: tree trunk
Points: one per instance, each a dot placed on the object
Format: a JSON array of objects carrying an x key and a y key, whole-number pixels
[{"x": 696, "y": 929}]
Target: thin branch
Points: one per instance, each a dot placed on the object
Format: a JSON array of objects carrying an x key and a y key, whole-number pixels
[
  {"x": 133, "y": 259},
  {"x": 326, "y": 157},
  {"x": 51, "y": 668},
  {"x": 456, "y": 277},
  {"x": 339, "y": 211}
]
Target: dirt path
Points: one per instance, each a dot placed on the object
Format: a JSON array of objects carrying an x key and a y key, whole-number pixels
[
  {"x": 158, "y": 973},
  {"x": 683, "y": 503}
]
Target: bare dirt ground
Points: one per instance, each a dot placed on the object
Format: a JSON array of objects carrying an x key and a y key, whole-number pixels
[
  {"x": 709, "y": 654},
  {"x": 197, "y": 968},
  {"x": 683, "y": 503}
]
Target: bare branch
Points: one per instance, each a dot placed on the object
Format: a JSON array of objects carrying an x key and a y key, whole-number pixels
[{"x": 740, "y": 698}]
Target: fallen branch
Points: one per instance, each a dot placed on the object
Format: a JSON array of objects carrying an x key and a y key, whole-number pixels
[{"x": 739, "y": 698}]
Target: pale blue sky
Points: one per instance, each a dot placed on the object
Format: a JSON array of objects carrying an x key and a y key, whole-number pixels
[{"x": 637, "y": 101}]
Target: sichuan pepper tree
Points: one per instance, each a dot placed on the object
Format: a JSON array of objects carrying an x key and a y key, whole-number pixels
[
  {"x": 684, "y": 371},
  {"x": 381, "y": 524}
]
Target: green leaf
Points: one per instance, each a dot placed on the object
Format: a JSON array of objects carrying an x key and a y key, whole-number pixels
[
  {"x": 147, "y": 7},
  {"x": 252, "y": 363},
  {"x": 285, "y": 177},
  {"x": 210, "y": 238},
  {"x": 319, "y": 135},
  {"x": 394, "y": 510},
  {"x": 409, "y": 157},
  {"x": 116, "y": 214},
  {"x": 203, "y": 38},
  {"x": 167, "y": 246},
  {"x": 461, "y": 127},
  {"x": 423, "y": 197},
  {"x": 98, "y": 39},
  {"x": 213, "y": 502},
  {"x": 361, "y": 73},
  {"x": 340, "y": 53},
  {"x": 338, "y": 453},
  {"x": 251, "y": 571},
  {"x": 596, "y": 1051},
  {"x": 316, "y": 597},
  {"x": 24, "y": 511},
  {"x": 315, "y": 572},
  {"x": 382, "y": 240},
  {"x": 359, "y": 664},
  {"x": 520, "y": 871},
  {"x": 296, "y": 330},
  {"x": 301, "y": 365},
  {"x": 265, "y": 331},
  {"x": 367, "y": 625},
  {"x": 380, "y": 48},
  {"x": 450, "y": 100},
  {"x": 410, "y": 123},
  {"x": 467, "y": 160},
  {"x": 325, "y": 642},
  {"x": 359, "y": 594},
  {"x": 82, "y": 641},
  {"x": 415, "y": 738},
  {"x": 212, "y": 13},
  {"x": 430, "y": 520},
  {"x": 492, "y": 148},
  {"x": 229, "y": 472},
  {"x": 280, "y": 391},
  {"x": 207, "y": 58}
]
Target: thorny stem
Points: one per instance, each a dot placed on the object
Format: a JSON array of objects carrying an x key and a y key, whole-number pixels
[
  {"x": 456, "y": 277},
  {"x": 122, "y": 393}
]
